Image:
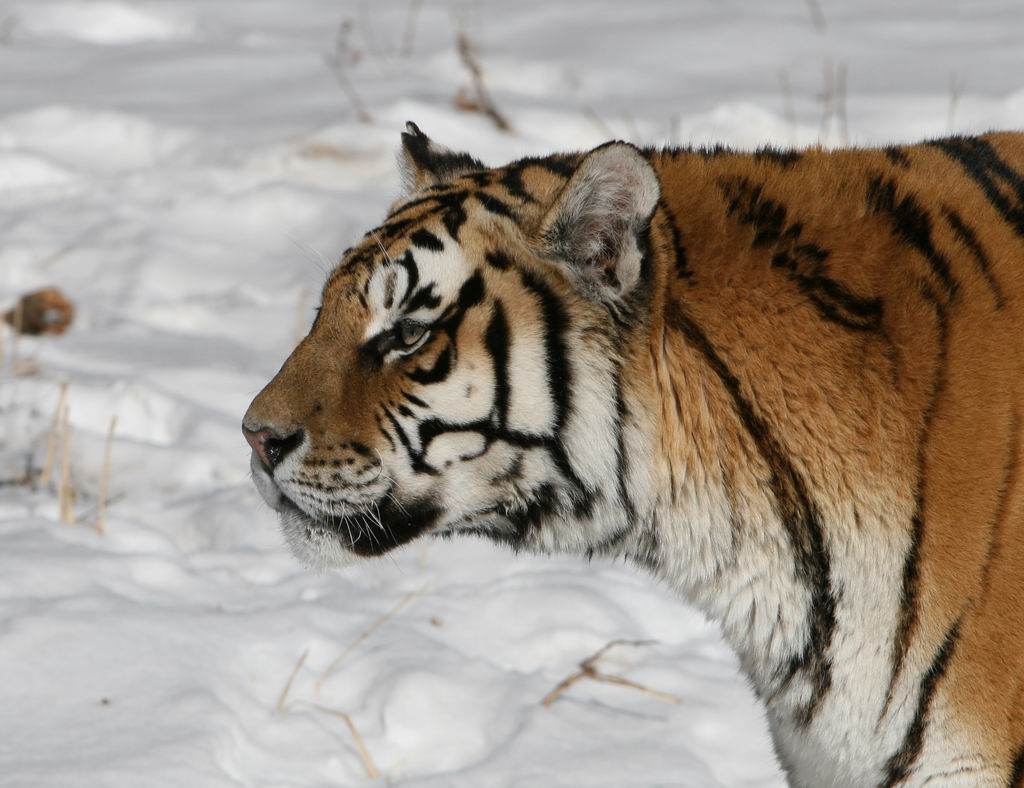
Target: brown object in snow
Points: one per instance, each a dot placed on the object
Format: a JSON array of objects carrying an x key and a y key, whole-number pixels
[{"x": 46, "y": 311}]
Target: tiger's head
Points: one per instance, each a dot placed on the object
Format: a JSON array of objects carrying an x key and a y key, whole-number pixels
[{"x": 472, "y": 366}]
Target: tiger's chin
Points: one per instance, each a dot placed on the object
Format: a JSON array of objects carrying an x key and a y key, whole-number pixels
[
  {"x": 317, "y": 546},
  {"x": 328, "y": 540}
]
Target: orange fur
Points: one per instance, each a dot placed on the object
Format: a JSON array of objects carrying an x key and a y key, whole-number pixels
[{"x": 831, "y": 352}]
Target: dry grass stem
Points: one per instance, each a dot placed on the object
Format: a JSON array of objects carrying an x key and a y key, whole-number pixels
[
  {"x": 402, "y": 603},
  {"x": 667, "y": 697},
  {"x": 337, "y": 62},
  {"x": 66, "y": 490},
  {"x": 53, "y": 436},
  {"x": 364, "y": 754},
  {"x": 371, "y": 768},
  {"x": 561, "y": 687},
  {"x": 588, "y": 670},
  {"x": 481, "y": 101},
  {"x": 283, "y": 697},
  {"x": 104, "y": 491}
]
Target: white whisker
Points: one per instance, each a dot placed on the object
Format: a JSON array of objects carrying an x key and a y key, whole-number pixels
[
  {"x": 319, "y": 260},
  {"x": 383, "y": 250}
]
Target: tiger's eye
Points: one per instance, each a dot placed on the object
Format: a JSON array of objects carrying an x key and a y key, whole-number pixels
[{"x": 409, "y": 332}]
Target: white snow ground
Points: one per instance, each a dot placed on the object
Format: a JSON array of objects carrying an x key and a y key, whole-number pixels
[{"x": 186, "y": 171}]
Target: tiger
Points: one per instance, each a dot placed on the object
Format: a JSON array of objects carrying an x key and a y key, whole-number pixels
[{"x": 784, "y": 383}]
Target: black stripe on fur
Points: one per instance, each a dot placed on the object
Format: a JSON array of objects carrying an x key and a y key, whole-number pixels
[
  {"x": 966, "y": 236},
  {"x": 797, "y": 511},
  {"x": 898, "y": 767},
  {"x": 912, "y": 224},
  {"x": 911, "y": 569},
  {"x": 982, "y": 163}
]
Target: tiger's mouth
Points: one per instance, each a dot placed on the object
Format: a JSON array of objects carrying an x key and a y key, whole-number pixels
[
  {"x": 369, "y": 531},
  {"x": 324, "y": 539},
  {"x": 372, "y": 529}
]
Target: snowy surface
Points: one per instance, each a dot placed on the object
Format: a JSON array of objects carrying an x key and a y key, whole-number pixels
[{"x": 186, "y": 171}]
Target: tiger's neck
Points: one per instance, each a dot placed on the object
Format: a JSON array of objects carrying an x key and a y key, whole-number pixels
[
  {"x": 720, "y": 542},
  {"x": 738, "y": 533}
]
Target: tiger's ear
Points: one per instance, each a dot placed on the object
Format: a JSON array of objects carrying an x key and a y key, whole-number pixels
[
  {"x": 594, "y": 223},
  {"x": 424, "y": 163}
]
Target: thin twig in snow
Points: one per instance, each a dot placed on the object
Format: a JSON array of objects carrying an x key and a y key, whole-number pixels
[
  {"x": 53, "y": 436},
  {"x": 482, "y": 98},
  {"x": 667, "y": 697},
  {"x": 336, "y": 62},
  {"x": 66, "y": 491},
  {"x": 588, "y": 670},
  {"x": 364, "y": 754},
  {"x": 365, "y": 634},
  {"x": 279, "y": 706}
]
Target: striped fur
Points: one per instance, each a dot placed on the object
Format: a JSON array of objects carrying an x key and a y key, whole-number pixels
[{"x": 787, "y": 383}]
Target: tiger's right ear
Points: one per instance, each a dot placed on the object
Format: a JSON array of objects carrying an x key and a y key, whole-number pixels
[{"x": 424, "y": 163}]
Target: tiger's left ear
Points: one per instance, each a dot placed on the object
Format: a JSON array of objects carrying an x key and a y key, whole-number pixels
[
  {"x": 424, "y": 163},
  {"x": 594, "y": 223}
]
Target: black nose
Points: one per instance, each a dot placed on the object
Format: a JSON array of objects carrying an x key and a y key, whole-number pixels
[{"x": 271, "y": 447}]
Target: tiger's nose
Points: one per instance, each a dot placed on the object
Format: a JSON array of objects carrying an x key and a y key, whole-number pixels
[{"x": 270, "y": 446}]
